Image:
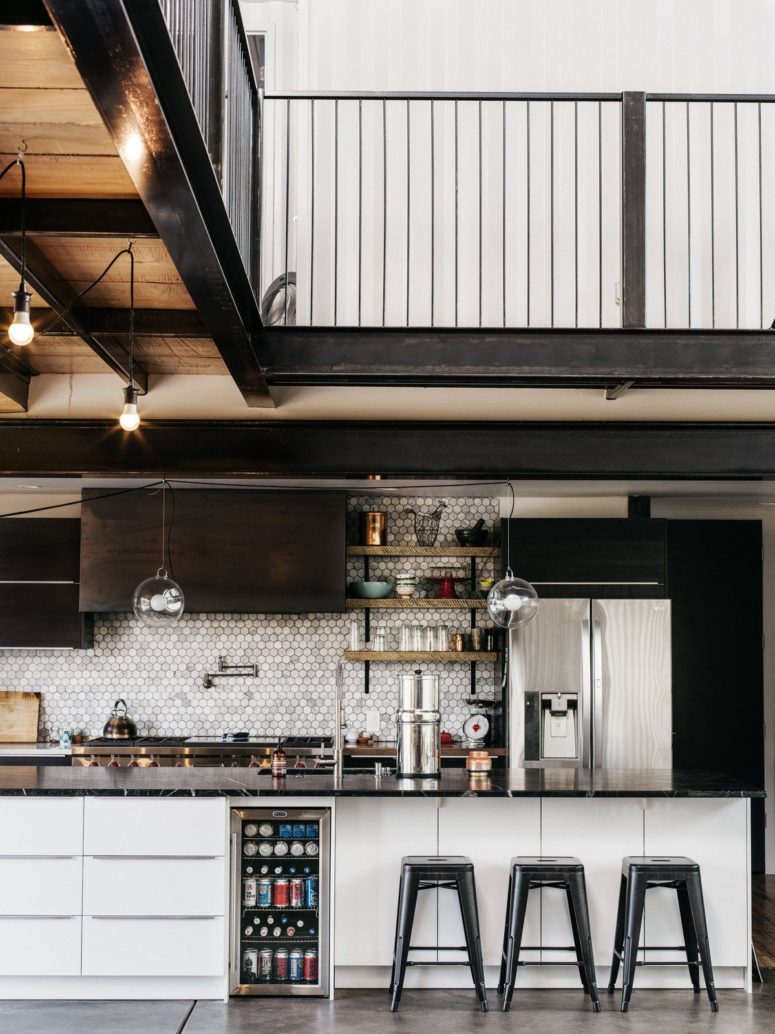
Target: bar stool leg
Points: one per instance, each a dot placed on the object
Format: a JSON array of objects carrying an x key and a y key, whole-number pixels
[
  {"x": 636, "y": 899},
  {"x": 407, "y": 902},
  {"x": 466, "y": 890},
  {"x": 509, "y": 897},
  {"x": 516, "y": 923},
  {"x": 618, "y": 935},
  {"x": 690, "y": 936},
  {"x": 579, "y": 907},
  {"x": 576, "y": 942},
  {"x": 694, "y": 889}
]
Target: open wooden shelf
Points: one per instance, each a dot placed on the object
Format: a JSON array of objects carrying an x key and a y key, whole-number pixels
[
  {"x": 481, "y": 551},
  {"x": 419, "y": 655},
  {"x": 412, "y": 603}
]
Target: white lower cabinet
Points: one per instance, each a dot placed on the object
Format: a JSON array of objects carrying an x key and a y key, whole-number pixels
[
  {"x": 40, "y": 886},
  {"x": 153, "y": 886},
  {"x": 154, "y": 826},
  {"x": 41, "y": 826},
  {"x": 371, "y": 838},
  {"x": 40, "y": 946},
  {"x": 153, "y": 947}
]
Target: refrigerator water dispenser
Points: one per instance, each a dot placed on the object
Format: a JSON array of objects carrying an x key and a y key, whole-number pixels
[{"x": 551, "y": 727}]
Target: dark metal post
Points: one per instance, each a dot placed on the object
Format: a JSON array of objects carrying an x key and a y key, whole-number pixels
[
  {"x": 633, "y": 209},
  {"x": 216, "y": 88}
]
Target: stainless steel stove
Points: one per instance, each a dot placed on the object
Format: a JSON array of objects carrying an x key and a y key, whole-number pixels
[{"x": 234, "y": 751}]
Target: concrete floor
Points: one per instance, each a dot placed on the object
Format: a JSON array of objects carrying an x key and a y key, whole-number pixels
[{"x": 428, "y": 1012}]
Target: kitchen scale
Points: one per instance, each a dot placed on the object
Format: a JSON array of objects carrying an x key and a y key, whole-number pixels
[{"x": 475, "y": 729}]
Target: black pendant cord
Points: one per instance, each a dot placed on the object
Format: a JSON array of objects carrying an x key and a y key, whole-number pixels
[
  {"x": 131, "y": 255},
  {"x": 19, "y": 160}
]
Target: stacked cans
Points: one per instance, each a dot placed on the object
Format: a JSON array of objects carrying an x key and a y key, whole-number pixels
[
  {"x": 280, "y": 966},
  {"x": 280, "y": 892}
]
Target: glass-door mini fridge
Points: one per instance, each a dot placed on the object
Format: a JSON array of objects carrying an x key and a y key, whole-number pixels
[{"x": 280, "y": 901}]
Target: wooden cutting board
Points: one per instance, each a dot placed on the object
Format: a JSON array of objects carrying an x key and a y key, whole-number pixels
[{"x": 19, "y": 717}]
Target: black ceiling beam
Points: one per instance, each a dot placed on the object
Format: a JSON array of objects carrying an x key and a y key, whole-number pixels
[
  {"x": 470, "y": 357},
  {"x": 76, "y": 217},
  {"x": 172, "y": 323},
  {"x": 44, "y": 279},
  {"x": 127, "y": 60},
  {"x": 14, "y": 13},
  {"x": 411, "y": 449}
]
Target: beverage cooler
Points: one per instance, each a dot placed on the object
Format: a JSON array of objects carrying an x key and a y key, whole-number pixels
[{"x": 280, "y": 901}]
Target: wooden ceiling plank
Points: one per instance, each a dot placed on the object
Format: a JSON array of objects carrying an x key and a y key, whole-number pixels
[
  {"x": 32, "y": 59},
  {"x": 66, "y": 176}
]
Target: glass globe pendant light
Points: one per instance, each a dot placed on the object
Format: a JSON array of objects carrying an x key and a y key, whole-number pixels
[
  {"x": 159, "y": 601},
  {"x": 512, "y": 602}
]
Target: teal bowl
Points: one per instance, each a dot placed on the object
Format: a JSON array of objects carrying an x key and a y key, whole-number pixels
[{"x": 371, "y": 590}]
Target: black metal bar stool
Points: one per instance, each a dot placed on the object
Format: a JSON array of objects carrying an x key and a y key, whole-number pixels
[
  {"x": 426, "y": 872},
  {"x": 529, "y": 872},
  {"x": 639, "y": 874}
]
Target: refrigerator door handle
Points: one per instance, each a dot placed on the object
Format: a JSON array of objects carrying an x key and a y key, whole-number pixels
[
  {"x": 597, "y": 694},
  {"x": 235, "y": 913},
  {"x": 586, "y": 695}
]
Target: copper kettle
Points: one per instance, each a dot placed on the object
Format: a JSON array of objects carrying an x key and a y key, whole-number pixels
[{"x": 119, "y": 726}]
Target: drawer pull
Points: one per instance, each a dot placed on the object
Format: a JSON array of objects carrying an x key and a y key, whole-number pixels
[
  {"x": 155, "y": 857},
  {"x": 38, "y": 857},
  {"x": 36, "y": 917},
  {"x": 155, "y": 917}
]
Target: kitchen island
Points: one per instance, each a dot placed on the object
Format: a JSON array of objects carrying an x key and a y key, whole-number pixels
[{"x": 124, "y": 874}]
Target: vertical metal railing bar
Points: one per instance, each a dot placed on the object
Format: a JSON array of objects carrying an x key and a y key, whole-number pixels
[
  {"x": 360, "y": 206},
  {"x": 576, "y": 211},
  {"x": 433, "y": 212},
  {"x": 664, "y": 210},
  {"x": 408, "y": 205},
  {"x": 528, "y": 212},
  {"x": 384, "y": 209},
  {"x": 457, "y": 256},
  {"x": 336, "y": 211},
  {"x": 312, "y": 215},
  {"x": 713, "y": 218},
  {"x": 688, "y": 211},
  {"x": 503, "y": 209},
  {"x": 761, "y": 216},
  {"x": 479, "y": 129},
  {"x": 287, "y": 200},
  {"x": 737, "y": 229},
  {"x": 600, "y": 212},
  {"x": 551, "y": 213}
]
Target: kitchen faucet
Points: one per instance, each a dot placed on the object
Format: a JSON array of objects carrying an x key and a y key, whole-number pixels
[{"x": 228, "y": 671}]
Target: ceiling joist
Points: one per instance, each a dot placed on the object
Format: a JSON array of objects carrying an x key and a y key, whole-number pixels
[{"x": 75, "y": 217}]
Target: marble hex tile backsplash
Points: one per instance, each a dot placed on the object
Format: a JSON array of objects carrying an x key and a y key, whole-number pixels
[{"x": 160, "y": 673}]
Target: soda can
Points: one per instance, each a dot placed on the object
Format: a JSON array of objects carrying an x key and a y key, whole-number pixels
[
  {"x": 281, "y": 964},
  {"x": 312, "y": 829},
  {"x": 263, "y": 931},
  {"x": 249, "y": 891},
  {"x": 296, "y": 893},
  {"x": 299, "y": 830},
  {"x": 264, "y": 893},
  {"x": 311, "y": 966},
  {"x": 285, "y": 831},
  {"x": 297, "y": 848},
  {"x": 312, "y": 848},
  {"x": 311, "y": 892},
  {"x": 265, "y": 964},
  {"x": 250, "y": 963},
  {"x": 281, "y": 892},
  {"x": 296, "y": 965}
]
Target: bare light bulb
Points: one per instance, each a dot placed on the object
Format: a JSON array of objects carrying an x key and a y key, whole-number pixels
[
  {"x": 130, "y": 418},
  {"x": 21, "y": 331}
]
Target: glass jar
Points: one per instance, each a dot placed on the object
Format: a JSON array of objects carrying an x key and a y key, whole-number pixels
[
  {"x": 380, "y": 641},
  {"x": 416, "y": 636},
  {"x": 405, "y": 636},
  {"x": 442, "y": 638}
]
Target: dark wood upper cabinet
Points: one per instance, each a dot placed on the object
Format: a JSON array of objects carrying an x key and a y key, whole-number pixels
[
  {"x": 231, "y": 550},
  {"x": 39, "y": 549},
  {"x": 589, "y": 556}
]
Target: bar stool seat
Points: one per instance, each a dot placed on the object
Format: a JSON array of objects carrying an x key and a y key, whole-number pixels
[
  {"x": 531, "y": 872},
  {"x": 639, "y": 874},
  {"x": 426, "y": 872}
]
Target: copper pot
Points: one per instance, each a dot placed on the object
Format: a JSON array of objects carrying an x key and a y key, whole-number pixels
[{"x": 119, "y": 726}]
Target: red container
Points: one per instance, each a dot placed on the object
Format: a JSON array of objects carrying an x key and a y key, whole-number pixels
[
  {"x": 281, "y": 893},
  {"x": 296, "y": 893},
  {"x": 311, "y": 966}
]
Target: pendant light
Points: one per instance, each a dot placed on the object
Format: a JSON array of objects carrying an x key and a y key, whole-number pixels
[
  {"x": 512, "y": 602},
  {"x": 20, "y": 330},
  {"x": 130, "y": 418},
  {"x": 158, "y": 601}
]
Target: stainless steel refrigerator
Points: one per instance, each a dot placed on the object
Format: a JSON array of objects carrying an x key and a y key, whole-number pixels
[{"x": 590, "y": 685}]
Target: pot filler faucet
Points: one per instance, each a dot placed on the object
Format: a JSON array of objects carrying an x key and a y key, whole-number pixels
[{"x": 229, "y": 671}]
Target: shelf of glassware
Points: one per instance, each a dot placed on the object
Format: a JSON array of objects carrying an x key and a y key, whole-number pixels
[
  {"x": 416, "y": 603},
  {"x": 395, "y": 656},
  {"x": 438, "y": 551}
]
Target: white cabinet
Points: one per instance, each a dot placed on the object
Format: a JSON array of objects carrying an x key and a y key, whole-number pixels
[
  {"x": 154, "y": 886},
  {"x": 40, "y": 886},
  {"x": 490, "y": 831},
  {"x": 42, "y": 946},
  {"x": 153, "y": 947},
  {"x": 41, "y": 826},
  {"x": 600, "y": 832},
  {"x": 715, "y": 834},
  {"x": 155, "y": 826},
  {"x": 371, "y": 838}
]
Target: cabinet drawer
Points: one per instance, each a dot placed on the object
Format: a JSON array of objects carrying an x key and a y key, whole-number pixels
[
  {"x": 154, "y": 886},
  {"x": 38, "y": 826},
  {"x": 140, "y": 826},
  {"x": 40, "y": 886},
  {"x": 153, "y": 947},
  {"x": 40, "y": 947}
]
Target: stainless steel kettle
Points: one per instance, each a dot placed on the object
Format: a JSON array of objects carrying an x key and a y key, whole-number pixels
[{"x": 119, "y": 726}]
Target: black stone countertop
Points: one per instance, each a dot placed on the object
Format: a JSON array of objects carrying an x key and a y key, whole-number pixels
[{"x": 28, "y": 780}]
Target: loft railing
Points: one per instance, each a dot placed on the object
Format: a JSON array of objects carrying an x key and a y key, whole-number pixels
[
  {"x": 212, "y": 50},
  {"x": 520, "y": 210}
]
